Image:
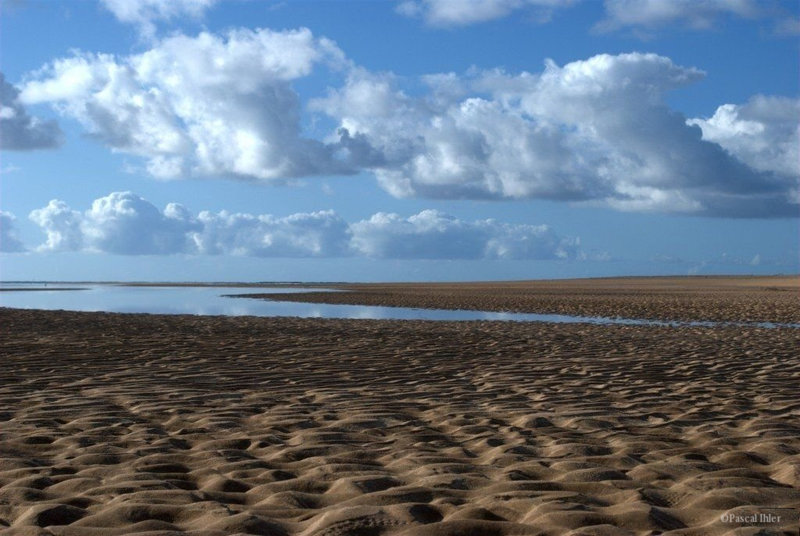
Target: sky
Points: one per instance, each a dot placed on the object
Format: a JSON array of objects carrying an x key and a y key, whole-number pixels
[{"x": 302, "y": 140}]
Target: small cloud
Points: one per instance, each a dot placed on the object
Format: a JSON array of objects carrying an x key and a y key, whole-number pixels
[
  {"x": 667, "y": 259},
  {"x": 697, "y": 15},
  {"x": 132, "y": 168},
  {"x": 694, "y": 270},
  {"x": 409, "y": 8},
  {"x": 10, "y": 168},
  {"x": 642, "y": 17},
  {"x": 9, "y": 6},
  {"x": 277, "y": 6},
  {"x": 599, "y": 256},
  {"x": 789, "y": 26},
  {"x": 146, "y": 13},
  {"x": 9, "y": 242},
  {"x": 451, "y": 13},
  {"x": 755, "y": 261},
  {"x": 20, "y": 131}
]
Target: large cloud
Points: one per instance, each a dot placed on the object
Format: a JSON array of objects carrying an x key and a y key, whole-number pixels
[
  {"x": 205, "y": 105},
  {"x": 9, "y": 243},
  {"x": 124, "y": 223},
  {"x": 145, "y": 13},
  {"x": 594, "y": 130},
  {"x": 20, "y": 131}
]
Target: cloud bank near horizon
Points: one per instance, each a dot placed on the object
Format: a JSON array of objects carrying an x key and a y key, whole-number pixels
[
  {"x": 594, "y": 131},
  {"x": 124, "y": 223}
]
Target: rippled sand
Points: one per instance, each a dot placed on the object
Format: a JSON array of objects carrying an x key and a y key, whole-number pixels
[{"x": 147, "y": 424}]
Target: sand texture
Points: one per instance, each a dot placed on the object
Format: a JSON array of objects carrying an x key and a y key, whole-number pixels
[
  {"x": 157, "y": 425},
  {"x": 722, "y": 299}
]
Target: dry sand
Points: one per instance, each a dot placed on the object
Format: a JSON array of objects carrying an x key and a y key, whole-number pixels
[{"x": 148, "y": 424}]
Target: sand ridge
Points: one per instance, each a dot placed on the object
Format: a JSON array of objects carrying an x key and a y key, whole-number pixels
[
  {"x": 698, "y": 298},
  {"x": 147, "y": 424}
]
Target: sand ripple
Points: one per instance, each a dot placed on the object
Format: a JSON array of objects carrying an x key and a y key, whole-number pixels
[{"x": 138, "y": 424}]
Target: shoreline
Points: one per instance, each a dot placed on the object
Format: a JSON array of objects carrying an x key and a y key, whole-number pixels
[
  {"x": 709, "y": 298},
  {"x": 719, "y": 299},
  {"x": 781, "y": 280}
]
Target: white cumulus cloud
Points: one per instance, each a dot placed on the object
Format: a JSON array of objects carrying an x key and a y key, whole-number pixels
[
  {"x": 121, "y": 223},
  {"x": 20, "y": 131},
  {"x": 592, "y": 131},
  {"x": 316, "y": 234},
  {"x": 596, "y": 130},
  {"x": 208, "y": 105},
  {"x": 125, "y": 223},
  {"x": 61, "y": 224},
  {"x": 9, "y": 241},
  {"x": 764, "y": 133},
  {"x": 435, "y": 235}
]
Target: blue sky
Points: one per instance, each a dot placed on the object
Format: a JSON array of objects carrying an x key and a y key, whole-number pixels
[{"x": 407, "y": 140}]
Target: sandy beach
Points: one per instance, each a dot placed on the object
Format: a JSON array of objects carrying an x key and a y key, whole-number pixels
[{"x": 166, "y": 424}]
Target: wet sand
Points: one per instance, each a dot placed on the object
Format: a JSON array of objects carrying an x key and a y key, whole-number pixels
[
  {"x": 721, "y": 299},
  {"x": 156, "y": 425}
]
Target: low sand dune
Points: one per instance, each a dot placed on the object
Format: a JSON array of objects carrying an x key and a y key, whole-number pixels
[{"x": 155, "y": 425}]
